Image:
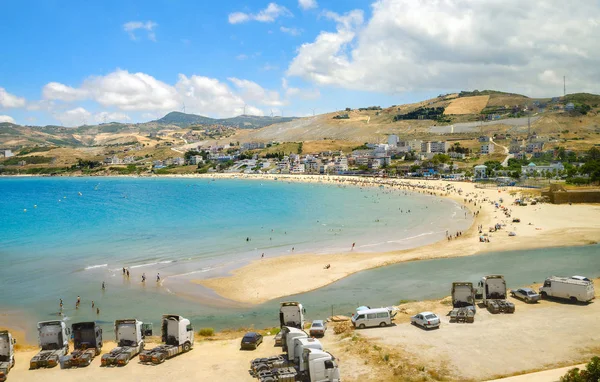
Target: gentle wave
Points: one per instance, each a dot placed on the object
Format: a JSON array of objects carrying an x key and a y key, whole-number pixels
[{"x": 95, "y": 266}]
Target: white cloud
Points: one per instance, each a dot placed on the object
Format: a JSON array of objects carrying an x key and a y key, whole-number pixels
[
  {"x": 267, "y": 15},
  {"x": 251, "y": 91},
  {"x": 131, "y": 26},
  {"x": 132, "y": 91},
  {"x": 291, "y": 92},
  {"x": 8, "y": 100},
  {"x": 61, "y": 92},
  {"x": 106, "y": 116},
  {"x": 291, "y": 31},
  {"x": 74, "y": 117},
  {"x": 307, "y": 4},
  {"x": 268, "y": 67},
  {"x": 6, "y": 118},
  {"x": 457, "y": 44},
  {"x": 241, "y": 57},
  {"x": 209, "y": 96}
]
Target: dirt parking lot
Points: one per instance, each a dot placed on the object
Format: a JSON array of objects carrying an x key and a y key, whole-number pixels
[{"x": 539, "y": 336}]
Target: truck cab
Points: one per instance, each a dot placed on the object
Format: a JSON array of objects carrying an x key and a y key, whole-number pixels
[
  {"x": 7, "y": 353},
  {"x": 300, "y": 345},
  {"x": 493, "y": 294},
  {"x": 87, "y": 335},
  {"x": 287, "y": 337},
  {"x": 177, "y": 331},
  {"x": 53, "y": 339},
  {"x": 321, "y": 366},
  {"x": 291, "y": 313},
  {"x": 463, "y": 302}
]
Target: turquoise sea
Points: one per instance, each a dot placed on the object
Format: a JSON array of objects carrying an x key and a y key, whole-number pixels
[
  {"x": 193, "y": 228},
  {"x": 63, "y": 237}
]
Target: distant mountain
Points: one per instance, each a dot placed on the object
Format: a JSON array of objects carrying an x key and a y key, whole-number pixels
[{"x": 242, "y": 121}]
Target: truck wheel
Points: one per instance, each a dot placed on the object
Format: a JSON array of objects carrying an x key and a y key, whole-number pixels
[
  {"x": 261, "y": 367},
  {"x": 14, "y": 362},
  {"x": 573, "y": 299},
  {"x": 544, "y": 295},
  {"x": 186, "y": 347},
  {"x": 383, "y": 324},
  {"x": 268, "y": 379},
  {"x": 361, "y": 326}
]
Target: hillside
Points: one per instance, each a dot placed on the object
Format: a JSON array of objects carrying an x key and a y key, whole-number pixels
[{"x": 242, "y": 121}]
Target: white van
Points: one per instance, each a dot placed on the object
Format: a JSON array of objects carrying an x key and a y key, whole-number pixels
[
  {"x": 568, "y": 288},
  {"x": 372, "y": 317}
]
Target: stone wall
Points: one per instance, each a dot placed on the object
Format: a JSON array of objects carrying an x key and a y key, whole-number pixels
[{"x": 579, "y": 196}]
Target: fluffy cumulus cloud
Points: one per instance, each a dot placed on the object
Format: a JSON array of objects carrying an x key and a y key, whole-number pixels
[
  {"x": 209, "y": 96},
  {"x": 132, "y": 26},
  {"x": 267, "y": 15},
  {"x": 6, "y": 118},
  {"x": 8, "y": 100},
  {"x": 61, "y": 92},
  {"x": 307, "y": 4},
  {"x": 457, "y": 44},
  {"x": 140, "y": 92}
]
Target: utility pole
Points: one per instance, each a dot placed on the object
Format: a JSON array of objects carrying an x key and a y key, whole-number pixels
[{"x": 564, "y": 86}]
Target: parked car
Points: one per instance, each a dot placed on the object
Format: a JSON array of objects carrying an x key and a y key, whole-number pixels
[
  {"x": 525, "y": 294},
  {"x": 251, "y": 340},
  {"x": 426, "y": 320},
  {"x": 318, "y": 328}
]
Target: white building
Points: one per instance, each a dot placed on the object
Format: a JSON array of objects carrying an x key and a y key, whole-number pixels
[
  {"x": 480, "y": 171},
  {"x": 415, "y": 144},
  {"x": 196, "y": 159},
  {"x": 6, "y": 154},
  {"x": 341, "y": 164},
  {"x": 393, "y": 140},
  {"x": 532, "y": 168},
  {"x": 487, "y": 148}
]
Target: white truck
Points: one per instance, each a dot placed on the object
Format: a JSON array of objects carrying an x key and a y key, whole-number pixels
[
  {"x": 493, "y": 293},
  {"x": 7, "y": 354},
  {"x": 53, "y": 338},
  {"x": 291, "y": 314},
  {"x": 177, "y": 338},
  {"x": 129, "y": 335},
  {"x": 463, "y": 302},
  {"x": 305, "y": 361},
  {"x": 575, "y": 290},
  {"x": 87, "y": 344}
]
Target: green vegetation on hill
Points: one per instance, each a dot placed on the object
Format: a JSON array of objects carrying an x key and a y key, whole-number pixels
[
  {"x": 29, "y": 160},
  {"x": 583, "y": 98},
  {"x": 435, "y": 113},
  {"x": 473, "y": 93},
  {"x": 242, "y": 121}
]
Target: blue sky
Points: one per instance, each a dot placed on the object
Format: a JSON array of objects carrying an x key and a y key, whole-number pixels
[{"x": 72, "y": 62}]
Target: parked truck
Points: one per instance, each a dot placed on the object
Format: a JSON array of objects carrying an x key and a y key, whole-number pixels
[
  {"x": 177, "y": 338},
  {"x": 129, "y": 335},
  {"x": 7, "y": 354},
  {"x": 291, "y": 314},
  {"x": 87, "y": 344},
  {"x": 53, "y": 338},
  {"x": 493, "y": 294},
  {"x": 569, "y": 288},
  {"x": 463, "y": 302},
  {"x": 304, "y": 360}
]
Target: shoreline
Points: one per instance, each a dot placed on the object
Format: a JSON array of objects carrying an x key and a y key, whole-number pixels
[{"x": 550, "y": 227}]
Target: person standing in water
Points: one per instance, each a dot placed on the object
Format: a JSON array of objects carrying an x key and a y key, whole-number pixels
[
  {"x": 158, "y": 277},
  {"x": 103, "y": 286},
  {"x": 143, "y": 277}
]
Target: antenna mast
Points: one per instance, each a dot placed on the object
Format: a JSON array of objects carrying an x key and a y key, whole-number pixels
[
  {"x": 184, "y": 107},
  {"x": 564, "y": 86},
  {"x": 244, "y": 109}
]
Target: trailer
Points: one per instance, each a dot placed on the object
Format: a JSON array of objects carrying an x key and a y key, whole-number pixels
[
  {"x": 7, "y": 354},
  {"x": 87, "y": 344},
  {"x": 53, "y": 338},
  {"x": 291, "y": 314},
  {"x": 493, "y": 294},
  {"x": 463, "y": 302},
  {"x": 304, "y": 361},
  {"x": 129, "y": 335},
  {"x": 177, "y": 338}
]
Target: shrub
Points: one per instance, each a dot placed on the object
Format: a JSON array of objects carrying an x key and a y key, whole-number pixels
[
  {"x": 590, "y": 374},
  {"x": 207, "y": 332},
  {"x": 342, "y": 327}
]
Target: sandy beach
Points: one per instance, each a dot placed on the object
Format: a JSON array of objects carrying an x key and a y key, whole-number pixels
[{"x": 540, "y": 226}]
